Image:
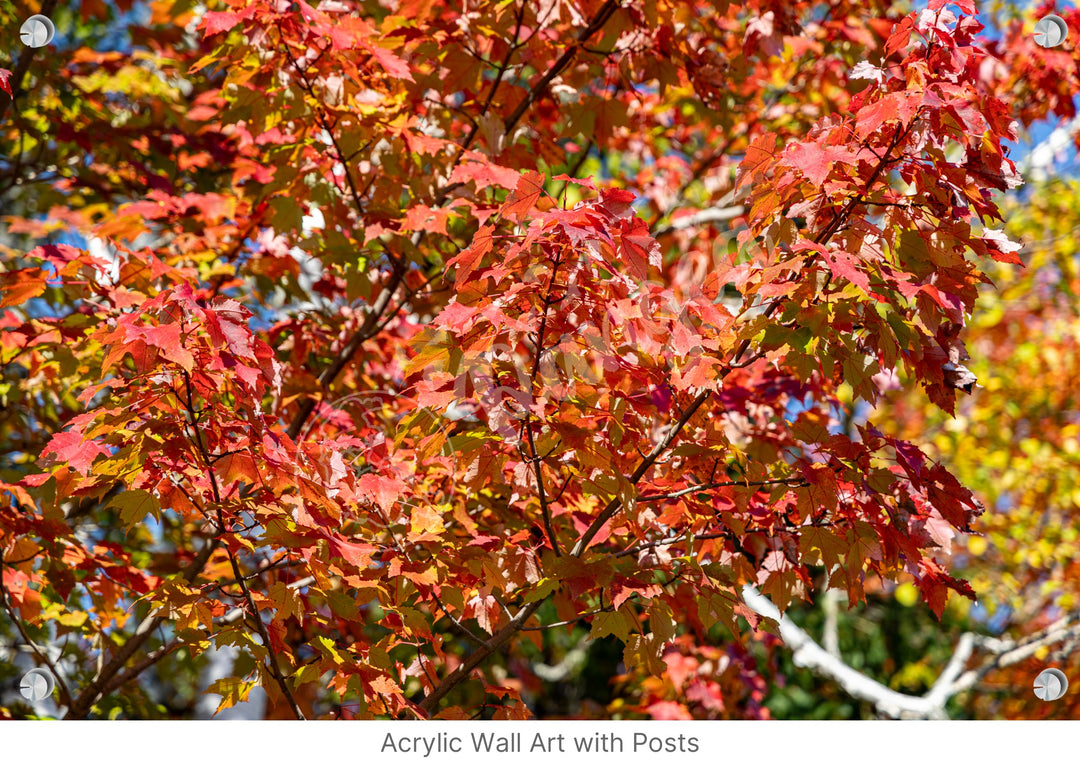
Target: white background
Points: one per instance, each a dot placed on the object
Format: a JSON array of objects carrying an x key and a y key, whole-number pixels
[{"x": 344, "y": 748}]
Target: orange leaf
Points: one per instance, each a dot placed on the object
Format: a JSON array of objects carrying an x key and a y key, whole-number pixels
[{"x": 20, "y": 285}]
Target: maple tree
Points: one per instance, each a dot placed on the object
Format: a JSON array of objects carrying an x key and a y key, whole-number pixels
[{"x": 414, "y": 341}]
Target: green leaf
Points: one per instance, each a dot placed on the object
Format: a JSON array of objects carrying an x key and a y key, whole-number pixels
[
  {"x": 285, "y": 214},
  {"x": 540, "y": 591},
  {"x": 287, "y": 601},
  {"x": 661, "y": 622},
  {"x": 610, "y": 623},
  {"x": 820, "y": 546},
  {"x": 135, "y": 506},
  {"x": 232, "y": 690},
  {"x": 644, "y": 652},
  {"x": 326, "y": 647},
  {"x": 714, "y": 607},
  {"x": 307, "y": 674}
]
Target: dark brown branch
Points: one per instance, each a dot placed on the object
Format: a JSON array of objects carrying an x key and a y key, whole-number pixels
[
  {"x": 595, "y": 25},
  {"x": 636, "y": 548},
  {"x": 457, "y": 624},
  {"x": 575, "y": 620},
  {"x": 796, "y": 481},
  {"x": 536, "y": 461},
  {"x": 260, "y": 626},
  {"x": 86, "y": 699},
  {"x": 474, "y": 660},
  {"x": 615, "y": 503},
  {"x": 495, "y": 86},
  {"x": 366, "y": 331},
  {"x": 139, "y": 667}
]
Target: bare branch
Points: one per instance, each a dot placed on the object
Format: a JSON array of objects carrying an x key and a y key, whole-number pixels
[
  {"x": 807, "y": 653},
  {"x": 830, "y": 636},
  {"x": 260, "y": 626},
  {"x": 702, "y": 217},
  {"x": 794, "y": 481},
  {"x": 575, "y": 620},
  {"x": 457, "y": 624},
  {"x": 1007, "y": 653},
  {"x": 90, "y": 695},
  {"x": 572, "y": 661},
  {"x": 595, "y": 25},
  {"x": 945, "y": 686}
]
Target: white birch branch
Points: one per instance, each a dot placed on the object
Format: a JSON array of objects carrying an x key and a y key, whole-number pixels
[
  {"x": 1007, "y": 652},
  {"x": 807, "y": 653},
  {"x": 700, "y": 218},
  {"x": 830, "y": 636}
]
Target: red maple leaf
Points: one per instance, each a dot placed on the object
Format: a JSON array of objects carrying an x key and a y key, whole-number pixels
[
  {"x": 214, "y": 22},
  {"x": 70, "y": 447},
  {"x": 528, "y": 190},
  {"x": 485, "y": 175},
  {"x": 637, "y": 247}
]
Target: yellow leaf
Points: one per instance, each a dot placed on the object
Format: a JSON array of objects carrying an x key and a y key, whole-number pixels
[
  {"x": 232, "y": 691},
  {"x": 425, "y": 519}
]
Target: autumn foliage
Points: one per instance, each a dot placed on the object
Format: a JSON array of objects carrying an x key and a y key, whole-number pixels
[{"x": 409, "y": 334}]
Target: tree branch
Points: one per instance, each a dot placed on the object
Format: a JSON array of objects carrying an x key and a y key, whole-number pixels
[
  {"x": 362, "y": 334},
  {"x": 1006, "y": 653},
  {"x": 495, "y": 85},
  {"x": 702, "y": 217},
  {"x": 614, "y": 504},
  {"x": 538, "y": 471},
  {"x": 795, "y": 481},
  {"x": 137, "y": 669},
  {"x": 806, "y": 653},
  {"x": 457, "y": 623},
  {"x": 260, "y": 626},
  {"x": 830, "y": 637},
  {"x": 598, "y": 21},
  {"x": 491, "y": 645},
  {"x": 90, "y": 695}
]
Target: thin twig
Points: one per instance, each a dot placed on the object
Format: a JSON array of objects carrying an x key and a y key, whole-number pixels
[
  {"x": 457, "y": 624},
  {"x": 275, "y": 670},
  {"x": 575, "y": 620},
  {"x": 260, "y": 626},
  {"x": 536, "y": 462},
  {"x": 794, "y": 481}
]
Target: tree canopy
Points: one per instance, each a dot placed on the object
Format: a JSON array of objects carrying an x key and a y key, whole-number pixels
[{"x": 424, "y": 352}]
